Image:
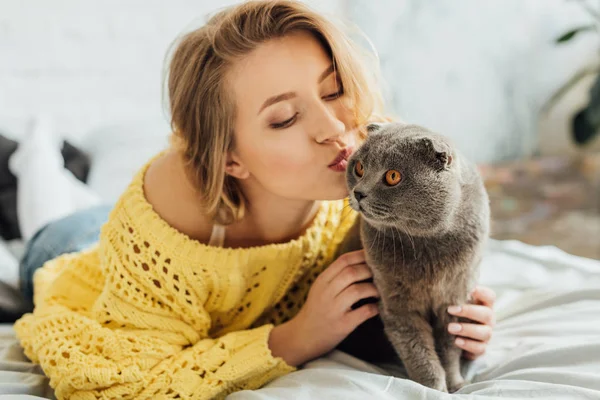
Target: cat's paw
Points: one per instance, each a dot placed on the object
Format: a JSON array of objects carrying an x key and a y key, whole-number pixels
[
  {"x": 434, "y": 379},
  {"x": 433, "y": 382},
  {"x": 442, "y": 387},
  {"x": 437, "y": 384},
  {"x": 456, "y": 385}
]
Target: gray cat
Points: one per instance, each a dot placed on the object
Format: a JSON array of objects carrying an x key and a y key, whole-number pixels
[{"x": 424, "y": 219}]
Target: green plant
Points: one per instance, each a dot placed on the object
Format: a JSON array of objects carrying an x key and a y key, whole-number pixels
[{"x": 585, "y": 124}]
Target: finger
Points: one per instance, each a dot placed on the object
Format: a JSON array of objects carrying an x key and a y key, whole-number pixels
[
  {"x": 482, "y": 314},
  {"x": 478, "y": 332},
  {"x": 349, "y": 276},
  {"x": 351, "y": 258},
  {"x": 356, "y": 317},
  {"x": 472, "y": 346},
  {"x": 484, "y": 296},
  {"x": 354, "y": 293},
  {"x": 469, "y": 356}
]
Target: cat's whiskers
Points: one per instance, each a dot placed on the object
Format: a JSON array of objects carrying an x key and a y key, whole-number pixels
[
  {"x": 410, "y": 237},
  {"x": 401, "y": 244},
  {"x": 346, "y": 206},
  {"x": 379, "y": 234},
  {"x": 347, "y": 209},
  {"x": 381, "y": 210},
  {"x": 383, "y": 241},
  {"x": 394, "y": 242},
  {"x": 373, "y": 242},
  {"x": 408, "y": 233}
]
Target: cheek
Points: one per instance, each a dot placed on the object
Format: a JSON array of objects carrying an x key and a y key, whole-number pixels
[
  {"x": 283, "y": 163},
  {"x": 280, "y": 158}
]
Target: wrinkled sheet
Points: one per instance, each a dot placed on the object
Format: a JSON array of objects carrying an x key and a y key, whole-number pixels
[{"x": 546, "y": 343}]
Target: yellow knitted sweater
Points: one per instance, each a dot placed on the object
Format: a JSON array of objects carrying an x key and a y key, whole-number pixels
[{"x": 149, "y": 313}]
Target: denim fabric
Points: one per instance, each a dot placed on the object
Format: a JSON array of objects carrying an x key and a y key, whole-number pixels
[{"x": 73, "y": 233}]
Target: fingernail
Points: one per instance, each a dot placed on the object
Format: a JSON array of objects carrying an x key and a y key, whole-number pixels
[
  {"x": 454, "y": 327},
  {"x": 460, "y": 342},
  {"x": 454, "y": 309}
]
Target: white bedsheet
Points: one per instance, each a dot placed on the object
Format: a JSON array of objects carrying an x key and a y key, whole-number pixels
[{"x": 546, "y": 343}]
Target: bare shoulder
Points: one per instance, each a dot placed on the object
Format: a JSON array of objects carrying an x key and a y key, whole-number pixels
[{"x": 173, "y": 197}]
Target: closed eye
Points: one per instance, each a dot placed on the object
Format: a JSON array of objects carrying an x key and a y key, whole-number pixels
[
  {"x": 284, "y": 124},
  {"x": 335, "y": 95}
]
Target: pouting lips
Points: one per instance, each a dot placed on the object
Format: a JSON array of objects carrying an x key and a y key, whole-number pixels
[{"x": 343, "y": 155}]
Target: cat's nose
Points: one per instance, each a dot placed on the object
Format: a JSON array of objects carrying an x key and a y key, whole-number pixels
[{"x": 359, "y": 195}]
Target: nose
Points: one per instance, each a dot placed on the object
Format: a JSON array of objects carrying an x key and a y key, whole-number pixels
[
  {"x": 329, "y": 128},
  {"x": 359, "y": 195}
]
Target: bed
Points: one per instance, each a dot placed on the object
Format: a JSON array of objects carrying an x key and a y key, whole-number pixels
[
  {"x": 546, "y": 343},
  {"x": 547, "y": 340}
]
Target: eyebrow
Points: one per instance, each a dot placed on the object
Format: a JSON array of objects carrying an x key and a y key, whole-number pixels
[{"x": 290, "y": 95}]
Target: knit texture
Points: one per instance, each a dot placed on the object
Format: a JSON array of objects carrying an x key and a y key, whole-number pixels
[{"x": 149, "y": 313}]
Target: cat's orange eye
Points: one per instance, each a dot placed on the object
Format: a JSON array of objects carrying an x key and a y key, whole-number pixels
[
  {"x": 392, "y": 177},
  {"x": 359, "y": 169}
]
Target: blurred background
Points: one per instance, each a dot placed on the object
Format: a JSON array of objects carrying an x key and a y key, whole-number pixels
[{"x": 484, "y": 72}]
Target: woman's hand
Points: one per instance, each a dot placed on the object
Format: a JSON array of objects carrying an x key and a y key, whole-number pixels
[
  {"x": 473, "y": 337},
  {"x": 327, "y": 316}
]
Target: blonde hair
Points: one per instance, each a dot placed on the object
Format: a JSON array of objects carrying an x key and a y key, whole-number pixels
[{"x": 202, "y": 110}]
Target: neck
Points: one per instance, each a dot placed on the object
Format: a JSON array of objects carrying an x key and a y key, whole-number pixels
[{"x": 271, "y": 219}]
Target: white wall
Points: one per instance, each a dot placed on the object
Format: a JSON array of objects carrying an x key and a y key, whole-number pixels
[
  {"x": 476, "y": 70},
  {"x": 89, "y": 63}
]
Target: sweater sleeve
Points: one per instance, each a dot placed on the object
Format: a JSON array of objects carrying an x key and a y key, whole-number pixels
[{"x": 87, "y": 357}]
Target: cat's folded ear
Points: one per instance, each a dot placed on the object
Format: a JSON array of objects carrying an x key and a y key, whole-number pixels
[
  {"x": 439, "y": 153},
  {"x": 444, "y": 159},
  {"x": 374, "y": 127}
]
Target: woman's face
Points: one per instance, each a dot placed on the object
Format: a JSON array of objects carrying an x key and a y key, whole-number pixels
[{"x": 293, "y": 123}]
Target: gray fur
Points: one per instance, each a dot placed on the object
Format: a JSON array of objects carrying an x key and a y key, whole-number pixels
[{"x": 423, "y": 240}]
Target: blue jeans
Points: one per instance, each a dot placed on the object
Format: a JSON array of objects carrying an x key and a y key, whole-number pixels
[{"x": 73, "y": 233}]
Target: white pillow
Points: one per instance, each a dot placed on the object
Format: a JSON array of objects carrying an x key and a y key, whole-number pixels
[
  {"x": 117, "y": 152},
  {"x": 9, "y": 266}
]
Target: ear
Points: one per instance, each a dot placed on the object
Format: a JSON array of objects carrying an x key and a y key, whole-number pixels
[
  {"x": 438, "y": 153},
  {"x": 444, "y": 159},
  {"x": 374, "y": 127},
  {"x": 235, "y": 167}
]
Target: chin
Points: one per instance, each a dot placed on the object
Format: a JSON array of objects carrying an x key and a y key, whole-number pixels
[
  {"x": 335, "y": 192},
  {"x": 331, "y": 187}
]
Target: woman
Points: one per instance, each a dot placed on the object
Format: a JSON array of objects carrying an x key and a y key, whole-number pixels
[{"x": 206, "y": 278}]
